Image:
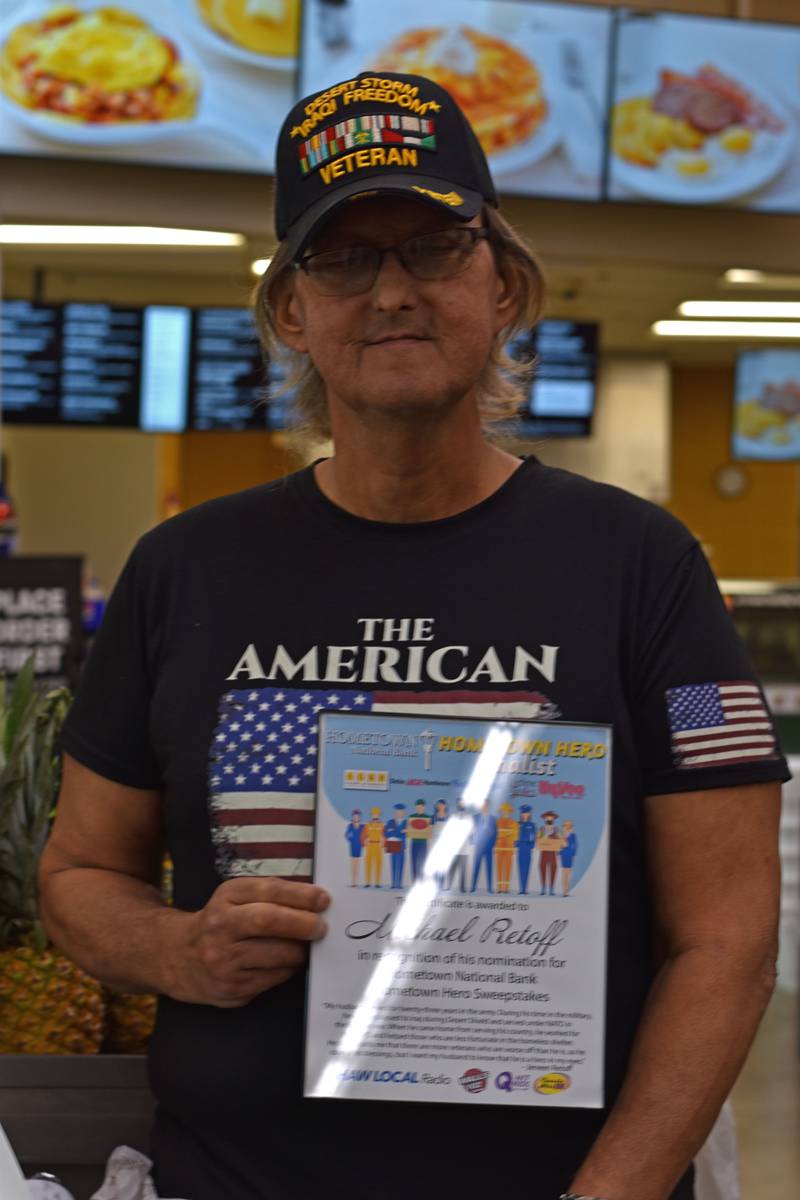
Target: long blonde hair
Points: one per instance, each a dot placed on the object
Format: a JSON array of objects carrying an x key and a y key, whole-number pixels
[{"x": 501, "y": 386}]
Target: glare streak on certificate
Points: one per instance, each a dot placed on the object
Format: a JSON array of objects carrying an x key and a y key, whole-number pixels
[{"x": 467, "y": 861}]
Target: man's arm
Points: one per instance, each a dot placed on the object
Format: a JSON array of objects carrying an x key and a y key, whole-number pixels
[
  {"x": 715, "y": 879},
  {"x": 101, "y": 904}
]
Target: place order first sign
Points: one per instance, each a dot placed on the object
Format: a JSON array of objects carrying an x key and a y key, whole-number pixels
[
  {"x": 40, "y": 614},
  {"x": 465, "y": 956}
]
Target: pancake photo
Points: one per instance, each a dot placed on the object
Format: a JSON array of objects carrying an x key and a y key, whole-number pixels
[{"x": 498, "y": 87}]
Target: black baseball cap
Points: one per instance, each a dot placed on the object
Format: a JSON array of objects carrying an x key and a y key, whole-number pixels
[{"x": 377, "y": 133}]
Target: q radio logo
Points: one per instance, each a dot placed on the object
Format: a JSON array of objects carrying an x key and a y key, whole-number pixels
[{"x": 474, "y": 1080}]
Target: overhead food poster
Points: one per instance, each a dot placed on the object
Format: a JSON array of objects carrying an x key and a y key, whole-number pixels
[
  {"x": 532, "y": 78},
  {"x": 706, "y": 112},
  {"x": 194, "y": 83}
]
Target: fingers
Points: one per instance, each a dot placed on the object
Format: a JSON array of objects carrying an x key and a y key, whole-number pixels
[
  {"x": 225, "y": 961},
  {"x": 253, "y": 890},
  {"x": 238, "y": 992},
  {"x": 276, "y": 921}
]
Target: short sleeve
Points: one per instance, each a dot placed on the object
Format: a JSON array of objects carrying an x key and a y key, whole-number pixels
[
  {"x": 699, "y": 714},
  {"x": 107, "y": 728}
]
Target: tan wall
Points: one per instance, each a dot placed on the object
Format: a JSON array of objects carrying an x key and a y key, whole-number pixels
[
  {"x": 755, "y": 534},
  {"x": 213, "y": 464},
  {"x": 88, "y": 492},
  {"x": 630, "y": 442}
]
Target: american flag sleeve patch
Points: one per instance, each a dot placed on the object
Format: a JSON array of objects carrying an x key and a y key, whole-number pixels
[{"x": 719, "y": 724}]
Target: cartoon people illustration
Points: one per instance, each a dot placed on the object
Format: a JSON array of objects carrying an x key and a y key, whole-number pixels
[
  {"x": 549, "y": 842},
  {"x": 567, "y": 855},
  {"x": 419, "y": 832},
  {"x": 458, "y": 866},
  {"x": 394, "y": 832},
  {"x": 507, "y": 829},
  {"x": 526, "y": 837},
  {"x": 483, "y": 838},
  {"x": 372, "y": 838},
  {"x": 353, "y": 838},
  {"x": 438, "y": 822}
]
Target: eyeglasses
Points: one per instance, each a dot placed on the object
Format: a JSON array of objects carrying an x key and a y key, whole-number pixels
[{"x": 352, "y": 270}]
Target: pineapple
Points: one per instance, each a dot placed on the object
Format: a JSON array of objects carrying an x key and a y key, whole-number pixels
[
  {"x": 129, "y": 1022},
  {"x": 48, "y": 1005}
]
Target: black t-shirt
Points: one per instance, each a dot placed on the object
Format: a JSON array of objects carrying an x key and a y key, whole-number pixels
[{"x": 568, "y": 598}]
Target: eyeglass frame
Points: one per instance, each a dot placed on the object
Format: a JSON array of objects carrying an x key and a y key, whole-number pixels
[{"x": 478, "y": 233}]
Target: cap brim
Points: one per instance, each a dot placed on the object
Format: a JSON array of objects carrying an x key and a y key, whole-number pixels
[{"x": 462, "y": 203}]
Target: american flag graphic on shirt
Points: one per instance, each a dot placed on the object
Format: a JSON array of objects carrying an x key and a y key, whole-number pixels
[
  {"x": 262, "y": 764},
  {"x": 719, "y": 724}
]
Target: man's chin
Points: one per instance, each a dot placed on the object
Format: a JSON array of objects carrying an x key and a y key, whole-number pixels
[{"x": 400, "y": 404}]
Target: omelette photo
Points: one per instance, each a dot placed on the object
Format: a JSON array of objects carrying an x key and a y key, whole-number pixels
[
  {"x": 266, "y": 27},
  {"x": 99, "y": 66}
]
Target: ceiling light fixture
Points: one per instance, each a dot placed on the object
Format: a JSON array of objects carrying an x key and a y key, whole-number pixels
[
  {"x": 769, "y": 280},
  {"x": 743, "y": 330},
  {"x": 757, "y": 309},
  {"x": 259, "y": 267},
  {"x": 121, "y": 236}
]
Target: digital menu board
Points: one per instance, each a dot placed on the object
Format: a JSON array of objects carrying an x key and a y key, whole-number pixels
[
  {"x": 30, "y": 362},
  {"x": 705, "y": 111},
  {"x": 164, "y": 368},
  {"x": 94, "y": 365},
  {"x": 562, "y": 393},
  {"x": 531, "y": 77},
  {"x": 192, "y": 83},
  {"x": 766, "y": 406},
  {"x": 101, "y": 350},
  {"x": 228, "y": 371}
]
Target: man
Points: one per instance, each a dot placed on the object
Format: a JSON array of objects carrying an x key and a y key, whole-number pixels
[
  {"x": 372, "y": 837},
  {"x": 567, "y": 855},
  {"x": 405, "y": 564},
  {"x": 548, "y": 841},
  {"x": 395, "y": 834},
  {"x": 458, "y": 867},
  {"x": 419, "y": 833},
  {"x": 526, "y": 837},
  {"x": 507, "y": 829},
  {"x": 354, "y": 836},
  {"x": 484, "y": 836}
]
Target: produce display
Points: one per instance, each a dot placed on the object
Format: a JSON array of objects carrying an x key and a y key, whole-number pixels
[{"x": 48, "y": 1004}]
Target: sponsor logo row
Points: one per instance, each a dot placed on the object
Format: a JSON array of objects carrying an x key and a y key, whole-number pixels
[{"x": 474, "y": 1080}]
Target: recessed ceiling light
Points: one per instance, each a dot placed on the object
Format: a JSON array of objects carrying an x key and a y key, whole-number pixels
[
  {"x": 121, "y": 236},
  {"x": 259, "y": 267},
  {"x": 743, "y": 330},
  {"x": 769, "y": 280},
  {"x": 760, "y": 309}
]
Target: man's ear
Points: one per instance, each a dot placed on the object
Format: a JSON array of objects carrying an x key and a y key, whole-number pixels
[
  {"x": 288, "y": 315},
  {"x": 506, "y": 301}
]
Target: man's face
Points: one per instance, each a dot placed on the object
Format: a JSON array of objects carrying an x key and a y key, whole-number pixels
[{"x": 406, "y": 347}]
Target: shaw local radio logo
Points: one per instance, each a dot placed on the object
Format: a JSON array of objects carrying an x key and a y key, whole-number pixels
[{"x": 474, "y": 1080}]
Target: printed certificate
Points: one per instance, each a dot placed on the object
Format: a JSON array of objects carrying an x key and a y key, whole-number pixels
[{"x": 465, "y": 959}]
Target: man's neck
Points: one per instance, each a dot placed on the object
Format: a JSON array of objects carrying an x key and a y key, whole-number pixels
[{"x": 405, "y": 472}]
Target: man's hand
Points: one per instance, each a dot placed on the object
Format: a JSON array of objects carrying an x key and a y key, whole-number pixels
[
  {"x": 99, "y": 875},
  {"x": 251, "y": 936}
]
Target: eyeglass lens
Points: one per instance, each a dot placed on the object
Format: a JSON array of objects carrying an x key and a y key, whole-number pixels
[{"x": 354, "y": 269}]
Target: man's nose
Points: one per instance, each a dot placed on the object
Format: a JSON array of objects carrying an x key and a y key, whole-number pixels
[{"x": 394, "y": 286}]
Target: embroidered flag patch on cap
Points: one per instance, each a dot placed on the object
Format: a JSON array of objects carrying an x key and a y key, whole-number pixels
[
  {"x": 719, "y": 724},
  {"x": 386, "y": 132}
]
